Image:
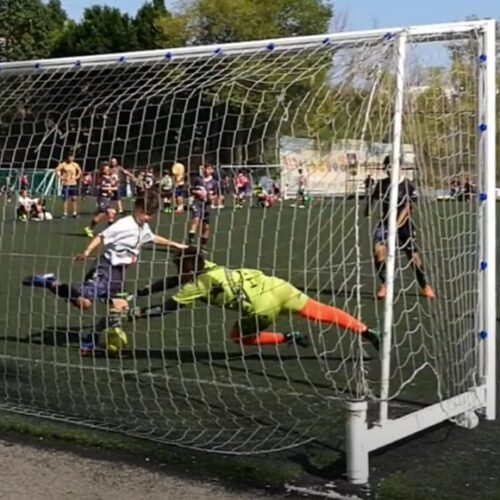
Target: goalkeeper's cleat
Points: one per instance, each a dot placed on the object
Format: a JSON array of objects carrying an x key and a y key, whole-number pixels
[
  {"x": 134, "y": 313},
  {"x": 88, "y": 232},
  {"x": 297, "y": 338},
  {"x": 40, "y": 280},
  {"x": 373, "y": 337},
  {"x": 428, "y": 292},
  {"x": 382, "y": 292}
]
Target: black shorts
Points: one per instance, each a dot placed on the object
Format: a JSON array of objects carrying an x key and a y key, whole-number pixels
[
  {"x": 103, "y": 204},
  {"x": 406, "y": 236},
  {"x": 117, "y": 196},
  {"x": 166, "y": 193},
  {"x": 103, "y": 282},
  {"x": 201, "y": 211}
]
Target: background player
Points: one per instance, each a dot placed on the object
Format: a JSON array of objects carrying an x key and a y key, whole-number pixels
[
  {"x": 118, "y": 173},
  {"x": 300, "y": 201},
  {"x": 259, "y": 298},
  {"x": 166, "y": 185},
  {"x": 105, "y": 280},
  {"x": 405, "y": 230},
  {"x": 28, "y": 208},
  {"x": 69, "y": 173},
  {"x": 179, "y": 175},
  {"x": 106, "y": 187},
  {"x": 242, "y": 184},
  {"x": 203, "y": 190}
]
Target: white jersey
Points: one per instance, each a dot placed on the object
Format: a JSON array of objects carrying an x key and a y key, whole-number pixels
[
  {"x": 123, "y": 241},
  {"x": 27, "y": 202}
]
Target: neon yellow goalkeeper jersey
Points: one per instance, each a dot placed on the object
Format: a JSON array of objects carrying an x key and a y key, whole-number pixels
[{"x": 247, "y": 290}]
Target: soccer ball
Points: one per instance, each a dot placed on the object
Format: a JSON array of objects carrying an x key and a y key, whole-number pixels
[{"x": 113, "y": 340}]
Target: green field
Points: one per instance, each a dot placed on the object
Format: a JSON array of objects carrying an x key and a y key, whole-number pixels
[{"x": 183, "y": 382}]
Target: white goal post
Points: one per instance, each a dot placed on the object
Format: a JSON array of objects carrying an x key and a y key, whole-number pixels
[{"x": 334, "y": 105}]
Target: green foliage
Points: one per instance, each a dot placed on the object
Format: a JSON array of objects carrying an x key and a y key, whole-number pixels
[
  {"x": 149, "y": 35},
  {"x": 102, "y": 30},
  {"x": 25, "y": 30},
  {"x": 223, "y": 21}
]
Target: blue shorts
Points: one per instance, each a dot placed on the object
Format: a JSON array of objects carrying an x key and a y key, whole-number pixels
[
  {"x": 201, "y": 211},
  {"x": 69, "y": 191},
  {"x": 180, "y": 191},
  {"x": 103, "y": 282},
  {"x": 405, "y": 236}
]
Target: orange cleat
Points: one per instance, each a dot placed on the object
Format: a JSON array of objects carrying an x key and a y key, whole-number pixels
[
  {"x": 428, "y": 292},
  {"x": 381, "y": 292}
]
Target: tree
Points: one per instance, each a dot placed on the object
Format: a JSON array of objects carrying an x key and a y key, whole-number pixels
[
  {"x": 102, "y": 30},
  {"x": 223, "y": 21},
  {"x": 146, "y": 24},
  {"x": 24, "y": 30},
  {"x": 58, "y": 22}
]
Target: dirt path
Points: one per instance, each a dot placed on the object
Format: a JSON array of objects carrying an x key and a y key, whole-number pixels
[{"x": 33, "y": 473}]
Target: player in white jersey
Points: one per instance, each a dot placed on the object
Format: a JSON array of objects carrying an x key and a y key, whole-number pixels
[
  {"x": 105, "y": 280},
  {"x": 28, "y": 207},
  {"x": 301, "y": 189}
]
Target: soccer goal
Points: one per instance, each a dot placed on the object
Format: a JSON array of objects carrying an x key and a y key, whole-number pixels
[{"x": 335, "y": 106}]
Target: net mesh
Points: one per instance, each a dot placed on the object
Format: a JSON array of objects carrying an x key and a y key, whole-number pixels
[{"x": 325, "y": 107}]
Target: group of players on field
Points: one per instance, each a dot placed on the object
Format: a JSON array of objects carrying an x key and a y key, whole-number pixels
[{"x": 257, "y": 299}]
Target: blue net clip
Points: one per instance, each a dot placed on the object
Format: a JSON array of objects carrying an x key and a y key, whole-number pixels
[
  {"x": 483, "y": 265},
  {"x": 270, "y": 46},
  {"x": 483, "y": 58},
  {"x": 78, "y": 63},
  {"x": 168, "y": 56},
  {"x": 218, "y": 51},
  {"x": 483, "y": 196},
  {"x": 389, "y": 36},
  {"x": 483, "y": 335},
  {"x": 483, "y": 127},
  {"x": 121, "y": 59},
  {"x": 37, "y": 65}
]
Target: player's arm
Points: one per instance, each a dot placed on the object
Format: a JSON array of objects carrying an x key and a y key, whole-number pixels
[
  {"x": 165, "y": 242},
  {"x": 58, "y": 170},
  {"x": 78, "y": 170},
  {"x": 404, "y": 215},
  {"x": 126, "y": 172},
  {"x": 94, "y": 244}
]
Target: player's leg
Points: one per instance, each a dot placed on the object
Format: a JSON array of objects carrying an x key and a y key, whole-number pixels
[
  {"x": 406, "y": 237},
  {"x": 295, "y": 301},
  {"x": 379, "y": 258},
  {"x": 65, "y": 197},
  {"x": 252, "y": 331},
  {"x": 179, "y": 200},
  {"x": 111, "y": 214},
  {"x": 96, "y": 219},
  {"x": 74, "y": 203},
  {"x": 194, "y": 227}
]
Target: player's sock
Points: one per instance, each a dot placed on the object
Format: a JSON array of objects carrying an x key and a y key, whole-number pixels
[
  {"x": 380, "y": 270},
  {"x": 203, "y": 241},
  {"x": 420, "y": 275},
  {"x": 317, "y": 311},
  {"x": 191, "y": 238}
]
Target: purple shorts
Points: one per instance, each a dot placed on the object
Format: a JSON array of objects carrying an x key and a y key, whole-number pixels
[{"x": 103, "y": 282}]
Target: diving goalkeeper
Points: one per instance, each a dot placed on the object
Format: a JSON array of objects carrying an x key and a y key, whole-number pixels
[{"x": 258, "y": 298}]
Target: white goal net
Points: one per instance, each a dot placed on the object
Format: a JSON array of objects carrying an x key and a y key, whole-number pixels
[{"x": 326, "y": 109}]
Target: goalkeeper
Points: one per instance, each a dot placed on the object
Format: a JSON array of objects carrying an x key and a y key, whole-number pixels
[{"x": 259, "y": 299}]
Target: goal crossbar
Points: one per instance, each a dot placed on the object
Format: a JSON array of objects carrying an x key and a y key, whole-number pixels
[{"x": 425, "y": 33}]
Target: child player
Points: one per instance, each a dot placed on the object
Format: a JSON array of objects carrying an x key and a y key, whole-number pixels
[
  {"x": 106, "y": 188},
  {"x": 203, "y": 190},
  {"x": 122, "y": 243}
]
